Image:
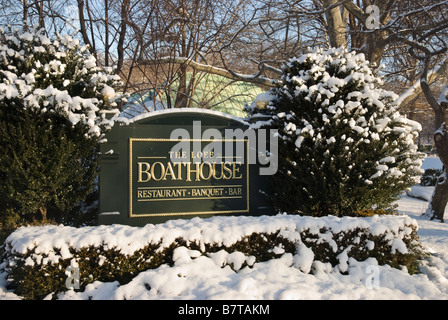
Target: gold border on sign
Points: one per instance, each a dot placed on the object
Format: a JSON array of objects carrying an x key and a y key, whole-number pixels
[{"x": 131, "y": 215}]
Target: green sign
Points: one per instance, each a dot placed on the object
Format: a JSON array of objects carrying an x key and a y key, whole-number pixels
[{"x": 180, "y": 164}]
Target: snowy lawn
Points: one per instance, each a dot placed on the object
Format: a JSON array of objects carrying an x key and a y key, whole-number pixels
[{"x": 194, "y": 277}]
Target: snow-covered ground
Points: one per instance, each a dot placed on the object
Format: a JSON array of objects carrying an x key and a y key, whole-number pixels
[{"x": 202, "y": 277}]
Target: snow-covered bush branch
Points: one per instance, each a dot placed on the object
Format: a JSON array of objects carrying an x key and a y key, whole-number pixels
[{"x": 55, "y": 76}]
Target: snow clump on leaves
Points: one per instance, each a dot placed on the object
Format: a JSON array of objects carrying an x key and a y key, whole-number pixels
[{"x": 56, "y": 76}]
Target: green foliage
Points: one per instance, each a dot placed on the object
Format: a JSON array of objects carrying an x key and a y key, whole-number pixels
[
  {"x": 50, "y": 168},
  {"x": 343, "y": 145},
  {"x": 430, "y": 177},
  {"x": 51, "y": 95}
]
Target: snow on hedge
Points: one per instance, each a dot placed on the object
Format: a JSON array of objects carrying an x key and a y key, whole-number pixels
[
  {"x": 195, "y": 275},
  {"x": 209, "y": 261},
  {"x": 218, "y": 230}
]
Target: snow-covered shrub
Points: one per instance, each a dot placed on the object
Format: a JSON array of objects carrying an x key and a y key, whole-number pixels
[
  {"x": 51, "y": 96},
  {"x": 430, "y": 177},
  {"x": 343, "y": 145},
  {"x": 37, "y": 259}
]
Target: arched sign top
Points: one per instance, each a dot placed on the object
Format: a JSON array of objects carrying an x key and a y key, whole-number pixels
[{"x": 185, "y": 116}]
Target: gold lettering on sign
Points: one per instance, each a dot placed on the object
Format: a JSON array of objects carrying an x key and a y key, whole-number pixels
[
  {"x": 160, "y": 178},
  {"x": 189, "y": 193},
  {"x": 193, "y": 171}
]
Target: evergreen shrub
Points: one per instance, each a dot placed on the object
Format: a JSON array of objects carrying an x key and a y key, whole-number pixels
[
  {"x": 51, "y": 96},
  {"x": 343, "y": 145},
  {"x": 430, "y": 177}
]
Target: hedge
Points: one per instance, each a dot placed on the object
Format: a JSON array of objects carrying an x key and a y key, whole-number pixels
[{"x": 36, "y": 259}]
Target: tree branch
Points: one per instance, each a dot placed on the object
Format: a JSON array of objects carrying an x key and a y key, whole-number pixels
[
  {"x": 82, "y": 23},
  {"x": 356, "y": 11},
  {"x": 256, "y": 79},
  {"x": 416, "y": 89}
]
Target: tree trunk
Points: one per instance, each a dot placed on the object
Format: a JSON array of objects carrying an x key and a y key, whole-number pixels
[
  {"x": 182, "y": 95},
  {"x": 82, "y": 24},
  {"x": 43, "y": 212},
  {"x": 25, "y": 12},
  {"x": 124, "y": 21},
  {"x": 336, "y": 25},
  {"x": 416, "y": 89},
  {"x": 106, "y": 31},
  {"x": 40, "y": 10},
  {"x": 436, "y": 208},
  {"x": 439, "y": 199}
]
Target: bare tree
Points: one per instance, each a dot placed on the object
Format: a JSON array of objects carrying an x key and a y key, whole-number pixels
[
  {"x": 178, "y": 41},
  {"x": 429, "y": 42}
]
